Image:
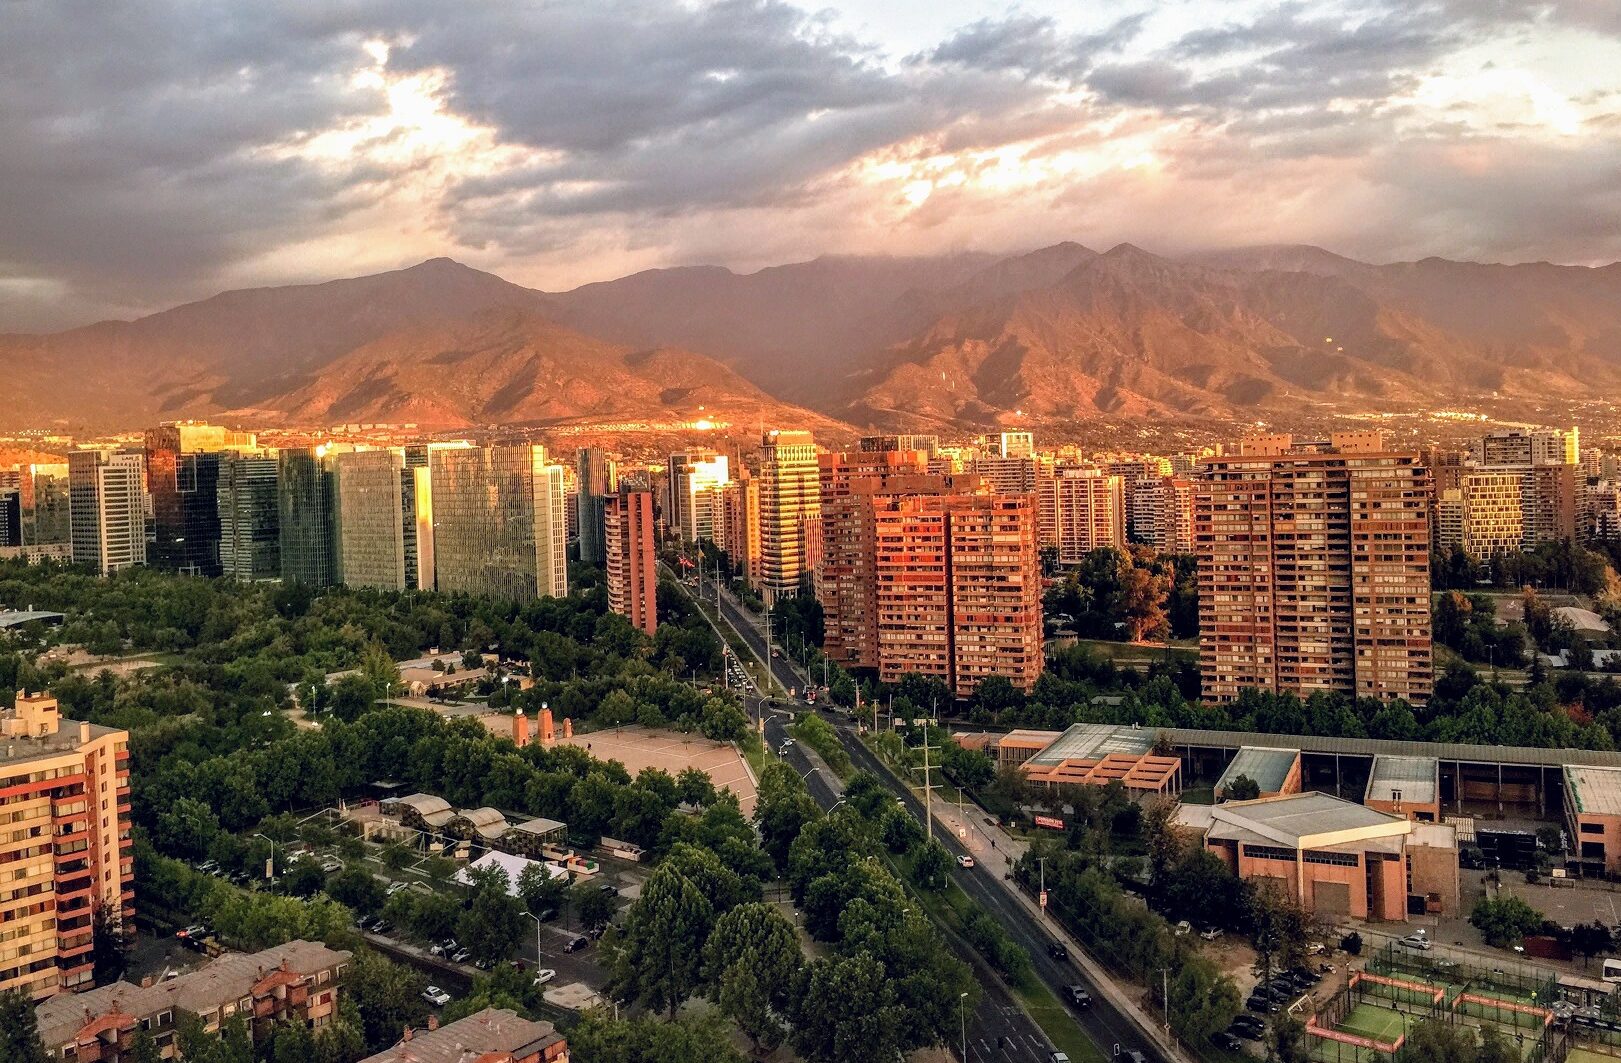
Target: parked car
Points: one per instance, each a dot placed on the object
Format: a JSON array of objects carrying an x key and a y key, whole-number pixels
[
  {"x": 1417, "y": 941},
  {"x": 544, "y": 975},
  {"x": 576, "y": 943},
  {"x": 1248, "y": 1027},
  {"x": 436, "y": 996},
  {"x": 1078, "y": 996},
  {"x": 460, "y": 956},
  {"x": 965, "y": 861},
  {"x": 609, "y": 888},
  {"x": 331, "y": 867},
  {"x": 382, "y": 926},
  {"x": 1211, "y": 934},
  {"x": 1057, "y": 951},
  {"x": 395, "y": 887},
  {"x": 1227, "y": 1042},
  {"x": 1183, "y": 928},
  {"x": 1134, "y": 1056}
]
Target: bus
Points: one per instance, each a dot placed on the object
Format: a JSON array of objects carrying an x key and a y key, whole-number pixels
[{"x": 1612, "y": 970}]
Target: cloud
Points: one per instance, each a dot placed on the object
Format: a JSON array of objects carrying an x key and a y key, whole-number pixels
[{"x": 162, "y": 150}]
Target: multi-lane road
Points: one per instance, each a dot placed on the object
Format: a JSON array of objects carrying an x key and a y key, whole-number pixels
[{"x": 1110, "y": 1029}]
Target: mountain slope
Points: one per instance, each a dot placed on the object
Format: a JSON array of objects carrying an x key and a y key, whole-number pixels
[{"x": 1130, "y": 334}]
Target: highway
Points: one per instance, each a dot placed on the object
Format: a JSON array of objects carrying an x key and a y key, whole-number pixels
[
  {"x": 998, "y": 1029},
  {"x": 1107, "y": 1027}
]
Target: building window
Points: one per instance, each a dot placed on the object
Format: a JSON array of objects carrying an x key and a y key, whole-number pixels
[{"x": 1592, "y": 828}]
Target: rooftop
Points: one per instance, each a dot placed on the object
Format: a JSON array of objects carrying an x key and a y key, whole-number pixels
[
  {"x": 1410, "y": 779},
  {"x": 1093, "y": 741},
  {"x": 1303, "y": 821},
  {"x": 1269, "y": 767},
  {"x": 1594, "y": 791},
  {"x": 491, "y": 1030}
]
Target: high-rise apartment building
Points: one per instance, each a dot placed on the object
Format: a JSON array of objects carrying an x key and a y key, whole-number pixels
[
  {"x": 107, "y": 509},
  {"x": 499, "y": 523},
  {"x": 631, "y": 562},
  {"x": 64, "y": 787},
  {"x": 307, "y": 505},
  {"x": 599, "y": 478},
  {"x": 1314, "y": 569},
  {"x": 1085, "y": 509},
  {"x": 1162, "y": 514},
  {"x": 250, "y": 518},
  {"x": 740, "y": 502},
  {"x": 1484, "y": 514},
  {"x": 1528, "y": 447},
  {"x": 696, "y": 480},
  {"x": 789, "y": 496},
  {"x": 376, "y": 519},
  {"x": 182, "y": 482},
  {"x": 958, "y": 588},
  {"x": 11, "y": 517}
]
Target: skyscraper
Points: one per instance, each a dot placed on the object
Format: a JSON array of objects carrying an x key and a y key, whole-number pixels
[
  {"x": 696, "y": 479},
  {"x": 599, "y": 478},
  {"x": 308, "y": 509},
  {"x": 740, "y": 501},
  {"x": 1085, "y": 508},
  {"x": 499, "y": 524},
  {"x": 373, "y": 518},
  {"x": 250, "y": 521},
  {"x": 1314, "y": 569},
  {"x": 107, "y": 509},
  {"x": 182, "y": 481},
  {"x": 789, "y": 496},
  {"x": 631, "y": 563}
]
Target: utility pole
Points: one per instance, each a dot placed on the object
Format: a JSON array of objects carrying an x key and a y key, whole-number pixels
[
  {"x": 928, "y": 788},
  {"x": 1165, "y": 988}
]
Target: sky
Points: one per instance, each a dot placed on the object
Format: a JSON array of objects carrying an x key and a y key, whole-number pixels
[{"x": 159, "y": 151}]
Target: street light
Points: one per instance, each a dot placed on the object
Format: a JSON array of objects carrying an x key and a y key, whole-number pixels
[
  {"x": 270, "y": 869},
  {"x": 536, "y": 918},
  {"x": 962, "y": 1022},
  {"x": 807, "y": 774}
]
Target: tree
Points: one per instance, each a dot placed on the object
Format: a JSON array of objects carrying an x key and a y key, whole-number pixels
[
  {"x": 1242, "y": 788},
  {"x": 1495, "y": 1047},
  {"x": 1504, "y": 920},
  {"x": 1431, "y": 1041},
  {"x": 592, "y": 906},
  {"x": 387, "y": 998},
  {"x": 695, "y": 787},
  {"x": 931, "y": 867},
  {"x": 847, "y": 1011},
  {"x": 143, "y": 1049},
  {"x": 750, "y": 964},
  {"x": 602, "y": 1039},
  {"x": 304, "y": 879},
  {"x": 1590, "y": 939},
  {"x": 1203, "y": 1002},
  {"x": 356, "y": 888},
  {"x": 493, "y": 924},
  {"x": 663, "y": 938},
  {"x": 1286, "y": 1041},
  {"x": 19, "y": 1034},
  {"x": 109, "y": 944},
  {"x": 1165, "y": 844},
  {"x": 540, "y": 890},
  {"x": 1277, "y": 928},
  {"x": 782, "y": 810}
]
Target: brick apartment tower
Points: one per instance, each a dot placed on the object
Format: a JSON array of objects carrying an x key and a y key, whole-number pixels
[
  {"x": 65, "y": 788},
  {"x": 1314, "y": 569},
  {"x": 928, "y": 573},
  {"x": 631, "y": 562}
]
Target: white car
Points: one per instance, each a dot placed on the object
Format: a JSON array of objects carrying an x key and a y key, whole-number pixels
[
  {"x": 397, "y": 886},
  {"x": 544, "y": 975},
  {"x": 436, "y": 996},
  {"x": 1184, "y": 928},
  {"x": 1212, "y": 934},
  {"x": 965, "y": 861}
]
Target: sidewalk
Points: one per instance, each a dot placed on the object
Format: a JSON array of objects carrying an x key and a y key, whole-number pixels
[{"x": 996, "y": 851}]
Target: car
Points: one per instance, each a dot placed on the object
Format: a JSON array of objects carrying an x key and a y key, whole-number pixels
[
  {"x": 436, "y": 996},
  {"x": 460, "y": 956},
  {"x": 207, "y": 866},
  {"x": 576, "y": 943},
  {"x": 395, "y": 887},
  {"x": 1057, "y": 1057},
  {"x": 544, "y": 975},
  {"x": 1262, "y": 1002},
  {"x": 1211, "y": 934},
  {"x": 196, "y": 930},
  {"x": 965, "y": 861},
  {"x": 1417, "y": 941},
  {"x": 331, "y": 867},
  {"x": 1248, "y": 1027},
  {"x": 609, "y": 888},
  {"x": 1227, "y": 1042},
  {"x": 1316, "y": 948},
  {"x": 442, "y": 949},
  {"x": 1134, "y": 1056},
  {"x": 1057, "y": 951},
  {"x": 1183, "y": 928},
  {"x": 382, "y": 926},
  {"x": 547, "y": 915},
  {"x": 597, "y": 931},
  {"x": 484, "y": 963},
  {"x": 1078, "y": 996}
]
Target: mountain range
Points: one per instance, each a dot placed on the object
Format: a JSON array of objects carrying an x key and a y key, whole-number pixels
[{"x": 961, "y": 341}]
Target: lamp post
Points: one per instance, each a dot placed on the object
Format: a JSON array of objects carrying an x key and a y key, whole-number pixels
[
  {"x": 962, "y": 1023},
  {"x": 536, "y": 918},
  {"x": 270, "y": 869}
]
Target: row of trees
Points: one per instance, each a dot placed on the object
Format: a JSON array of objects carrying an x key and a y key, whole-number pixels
[{"x": 1134, "y": 593}]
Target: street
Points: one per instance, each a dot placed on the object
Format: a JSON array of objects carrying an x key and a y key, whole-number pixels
[{"x": 998, "y": 1021}]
